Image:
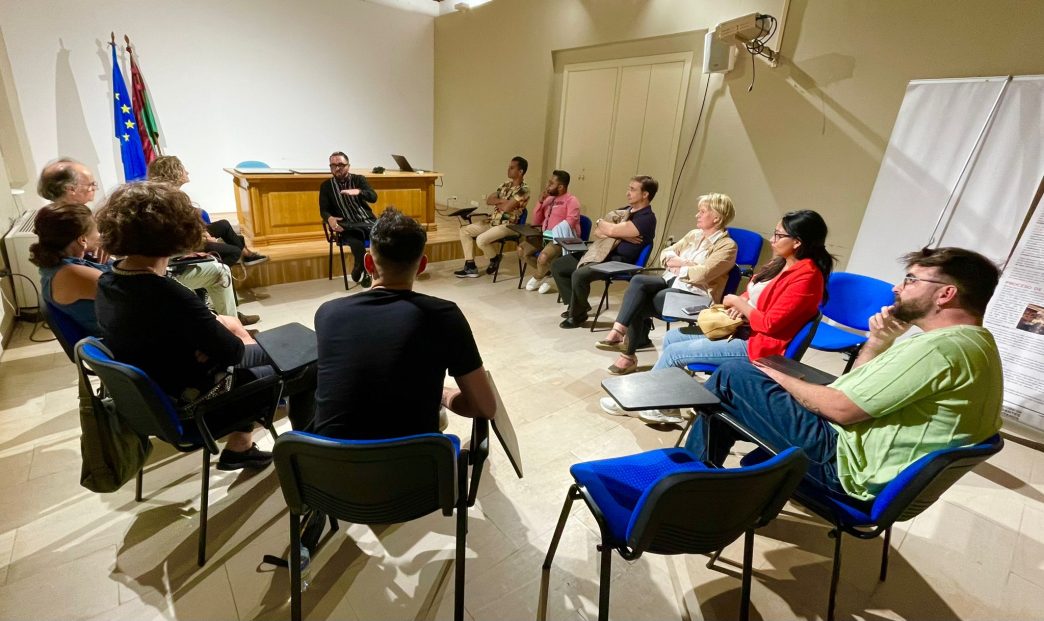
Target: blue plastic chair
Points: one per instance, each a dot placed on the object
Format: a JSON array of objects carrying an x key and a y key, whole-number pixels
[
  {"x": 504, "y": 240},
  {"x": 65, "y": 329},
  {"x": 252, "y": 164},
  {"x": 748, "y": 250},
  {"x": 379, "y": 482},
  {"x": 796, "y": 348},
  {"x": 142, "y": 404},
  {"x": 852, "y": 299},
  {"x": 203, "y": 215},
  {"x": 603, "y": 303},
  {"x": 585, "y": 234},
  {"x": 904, "y": 498},
  {"x": 668, "y": 502}
]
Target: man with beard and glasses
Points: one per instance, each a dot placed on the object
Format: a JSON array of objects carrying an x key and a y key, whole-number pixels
[{"x": 937, "y": 389}]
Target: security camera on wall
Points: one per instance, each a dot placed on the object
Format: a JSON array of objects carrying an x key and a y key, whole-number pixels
[{"x": 751, "y": 32}]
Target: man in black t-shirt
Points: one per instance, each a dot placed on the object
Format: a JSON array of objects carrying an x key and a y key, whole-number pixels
[
  {"x": 639, "y": 230},
  {"x": 384, "y": 353}
]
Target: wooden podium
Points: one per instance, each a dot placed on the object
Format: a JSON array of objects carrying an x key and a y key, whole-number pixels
[{"x": 283, "y": 207}]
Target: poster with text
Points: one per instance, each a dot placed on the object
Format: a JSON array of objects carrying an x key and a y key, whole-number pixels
[{"x": 1016, "y": 319}]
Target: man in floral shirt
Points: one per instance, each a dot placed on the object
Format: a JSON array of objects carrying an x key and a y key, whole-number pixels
[{"x": 507, "y": 202}]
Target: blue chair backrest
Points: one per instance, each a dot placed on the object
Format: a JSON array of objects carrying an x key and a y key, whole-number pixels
[
  {"x": 585, "y": 228},
  {"x": 798, "y": 345},
  {"x": 708, "y": 508},
  {"x": 139, "y": 401},
  {"x": 748, "y": 244},
  {"x": 643, "y": 256},
  {"x": 368, "y": 481},
  {"x": 921, "y": 483},
  {"x": 522, "y": 217},
  {"x": 732, "y": 282},
  {"x": 853, "y": 298},
  {"x": 252, "y": 164},
  {"x": 204, "y": 215},
  {"x": 65, "y": 329}
]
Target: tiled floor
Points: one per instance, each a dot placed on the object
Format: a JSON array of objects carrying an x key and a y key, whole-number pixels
[{"x": 66, "y": 553}]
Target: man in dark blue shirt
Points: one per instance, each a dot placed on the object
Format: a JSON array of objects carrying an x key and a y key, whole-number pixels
[{"x": 574, "y": 276}]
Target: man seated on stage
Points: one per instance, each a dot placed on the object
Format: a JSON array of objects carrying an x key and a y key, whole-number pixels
[
  {"x": 558, "y": 216},
  {"x": 902, "y": 400},
  {"x": 619, "y": 236},
  {"x": 344, "y": 205},
  {"x": 384, "y": 353},
  {"x": 507, "y": 201}
]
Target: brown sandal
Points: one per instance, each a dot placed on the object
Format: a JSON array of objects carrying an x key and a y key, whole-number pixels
[
  {"x": 614, "y": 369},
  {"x": 611, "y": 345}
]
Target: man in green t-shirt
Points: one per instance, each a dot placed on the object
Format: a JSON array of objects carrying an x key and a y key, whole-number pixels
[{"x": 903, "y": 400}]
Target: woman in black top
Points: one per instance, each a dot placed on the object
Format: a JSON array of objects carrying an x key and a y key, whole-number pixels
[{"x": 157, "y": 324}]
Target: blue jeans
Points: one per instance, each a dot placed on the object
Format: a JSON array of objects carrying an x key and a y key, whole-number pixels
[
  {"x": 776, "y": 417},
  {"x": 685, "y": 346}
]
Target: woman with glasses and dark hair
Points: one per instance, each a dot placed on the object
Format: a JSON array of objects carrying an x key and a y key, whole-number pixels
[{"x": 781, "y": 298}]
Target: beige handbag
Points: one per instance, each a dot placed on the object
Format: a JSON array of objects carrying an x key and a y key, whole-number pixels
[{"x": 716, "y": 324}]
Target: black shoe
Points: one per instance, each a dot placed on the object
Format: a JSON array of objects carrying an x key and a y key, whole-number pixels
[
  {"x": 573, "y": 322},
  {"x": 365, "y": 280},
  {"x": 248, "y": 320},
  {"x": 253, "y": 458},
  {"x": 494, "y": 263},
  {"x": 470, "y": 271},
  {"x": 565, "y": 314},
  {"x": 253, "y": 258}
]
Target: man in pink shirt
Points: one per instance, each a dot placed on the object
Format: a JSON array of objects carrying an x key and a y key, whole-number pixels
[{"x": 558, "y": 211}]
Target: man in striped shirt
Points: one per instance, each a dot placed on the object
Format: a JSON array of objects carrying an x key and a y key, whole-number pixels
[{"x": 344, "y": 204}]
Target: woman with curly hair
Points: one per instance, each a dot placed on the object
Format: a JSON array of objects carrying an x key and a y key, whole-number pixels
[{"x": 152, "y": 322}]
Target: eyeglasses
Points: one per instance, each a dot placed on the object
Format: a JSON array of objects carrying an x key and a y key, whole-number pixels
[
  {"x": 90, "y": 186},
  {"x": 909, "y": 280},
  {"x": 776, "y": 236},
  {"x": 338, "y": 165}
]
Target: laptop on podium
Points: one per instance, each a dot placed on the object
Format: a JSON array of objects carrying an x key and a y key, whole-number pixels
[{"x": 404, "y": 164}]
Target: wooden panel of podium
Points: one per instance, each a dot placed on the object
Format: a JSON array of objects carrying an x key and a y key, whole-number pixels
[{"x": 283, "y": 207}]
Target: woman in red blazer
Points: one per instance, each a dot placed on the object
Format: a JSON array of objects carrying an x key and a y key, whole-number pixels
[{"x": 781, "y": 298}]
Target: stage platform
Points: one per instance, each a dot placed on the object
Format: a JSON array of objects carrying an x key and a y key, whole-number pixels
[{"x": 299, "y": 261}]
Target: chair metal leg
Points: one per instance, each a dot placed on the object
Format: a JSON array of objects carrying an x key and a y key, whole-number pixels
[
  {"x": 545, "y": 571},
  {"x": 462, "y": 539},
  {"x": 852, "y": 355},
  {"x": 344, "y": 268},
  {"x": 685, "y": 430},
  {"x": 295, "y": 566},
  {"x": 201, "y": 554},
  {"x": 604, "y": 301},
  {"x": 748, "y": 561},
  {"x": 835, "y": 574},
  {"x": 138, "y": 483},
  {"x": 884, "y": 553},
  {"x": 334, "y": 524},
  {"x": 522, "y": 265},
  {"x": 604, "y": 580},
  {"x": 329, "y": 266},
  {"x": 714, "y": 558}
]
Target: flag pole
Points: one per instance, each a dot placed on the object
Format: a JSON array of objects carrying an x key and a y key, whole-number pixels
[{"x": 144, "y": 115}]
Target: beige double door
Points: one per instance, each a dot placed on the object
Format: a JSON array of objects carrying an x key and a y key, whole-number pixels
[{"x": 621, "y": 118}]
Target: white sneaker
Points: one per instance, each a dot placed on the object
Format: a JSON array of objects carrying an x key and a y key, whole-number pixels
[
  {"x": 547, "y": 287},
  {"x": 610, "y": 406},
  {"x": 532, "y": 284},
  {"x": 661, "y": 417}
]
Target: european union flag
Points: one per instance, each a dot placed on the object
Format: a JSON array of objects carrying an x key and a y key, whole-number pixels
[{"x": 126, "y": 128}]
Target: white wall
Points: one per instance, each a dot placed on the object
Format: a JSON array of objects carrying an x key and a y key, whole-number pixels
[{"x": 282, "y": 82}]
